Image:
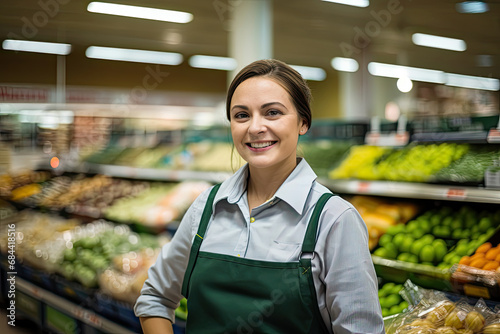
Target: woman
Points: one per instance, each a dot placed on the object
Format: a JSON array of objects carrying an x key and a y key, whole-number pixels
[{"x": 271, "y": 250}]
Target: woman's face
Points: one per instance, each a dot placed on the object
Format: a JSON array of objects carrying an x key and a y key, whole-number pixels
[{"x": 264, "y": 123}]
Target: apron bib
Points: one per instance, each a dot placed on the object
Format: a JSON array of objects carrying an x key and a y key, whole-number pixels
[{"x": 228, "y": 294}]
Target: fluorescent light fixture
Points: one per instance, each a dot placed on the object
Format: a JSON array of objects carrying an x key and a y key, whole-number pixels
[
  {"x": 310, "y": 73},
  {"x": 355, "y": 3},
  {"x": 439, "y": 42},
  {"x": 433, "y": 76},
  {"x": 213, "y": 62},
  {"x": 466, "y": 81},
  {"x": 412, "y": 73},
  {"x": 345, "y": 64},
  {"x": 39, "y": 47},
  {"x": 472, "y": 7},
  {"x": 140, "y": 12},
  {"x": 137, "y": 56}
]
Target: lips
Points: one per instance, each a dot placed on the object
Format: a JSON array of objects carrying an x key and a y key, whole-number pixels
[{"x": 261, "y": 144}]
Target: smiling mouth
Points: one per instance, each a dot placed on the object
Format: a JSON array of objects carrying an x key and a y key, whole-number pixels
[{"x": 261, "y": 145}]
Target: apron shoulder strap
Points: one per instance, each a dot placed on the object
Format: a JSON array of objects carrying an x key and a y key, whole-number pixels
[
  {"x": 312, "y": 227},
  {"x": 200, "y": 234}
]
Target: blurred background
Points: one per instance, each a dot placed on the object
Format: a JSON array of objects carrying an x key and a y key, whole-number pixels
[{"x": 112, "y": 121}]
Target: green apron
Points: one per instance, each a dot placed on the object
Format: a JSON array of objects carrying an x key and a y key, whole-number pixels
[{"x": 228, "y": 294}]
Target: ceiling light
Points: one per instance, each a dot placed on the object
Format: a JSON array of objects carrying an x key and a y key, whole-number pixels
[
  {"x": 466, "y": 81},
  {"x": 355, "y": 3},
  {"x": 412, "y": 73},
  {"x": 404, "y": 84},
  {"x": 310, "y": 73},
  {"x": 39, "y": 47},
  {"x": 138, "y": 56},
  {"x": 439, "y": 42},
  {"x": 433, "y": 76},
  {"x": 140, "y": 12},
  {"x": 345, "y": 64},
  {"x": 213, "y": 62},
  {"x": 472, "y": 7}
]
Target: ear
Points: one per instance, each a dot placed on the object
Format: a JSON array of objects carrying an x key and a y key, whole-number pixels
[{"x": 303, "y": 128}]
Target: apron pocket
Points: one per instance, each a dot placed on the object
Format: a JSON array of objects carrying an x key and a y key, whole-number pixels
[{"x": 283, "y": 251}]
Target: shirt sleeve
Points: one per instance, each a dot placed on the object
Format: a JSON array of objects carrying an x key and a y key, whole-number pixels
[
  {"x": 161, "y": 292},
  {"x": 350, "y": 280}
]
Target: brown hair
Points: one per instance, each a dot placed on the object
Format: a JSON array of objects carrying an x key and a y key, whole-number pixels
[{"x": 284, "y": 75}]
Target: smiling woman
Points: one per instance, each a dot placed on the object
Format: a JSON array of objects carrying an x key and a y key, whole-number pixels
[{"x": 269, "y": 250}]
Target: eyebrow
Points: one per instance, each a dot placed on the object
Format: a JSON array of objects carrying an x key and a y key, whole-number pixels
[{"x": 265, "y": 105}]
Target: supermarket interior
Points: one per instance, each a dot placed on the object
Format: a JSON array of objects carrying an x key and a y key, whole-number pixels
[{"x": 113, "y": 121}]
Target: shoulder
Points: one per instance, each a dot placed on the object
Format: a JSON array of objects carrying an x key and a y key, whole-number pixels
[{"x": 336, "y": 210}]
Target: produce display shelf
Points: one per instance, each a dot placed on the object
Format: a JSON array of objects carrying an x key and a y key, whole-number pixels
[
  {"x": 77, "y": 312},
  {"x": 153, "y": 174},
  {"x": 415, "y": 190}
]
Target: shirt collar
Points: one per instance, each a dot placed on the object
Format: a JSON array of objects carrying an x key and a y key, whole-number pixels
[{"x": 301, "y": 177}]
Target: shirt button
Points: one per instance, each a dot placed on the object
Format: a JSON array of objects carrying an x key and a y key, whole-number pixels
[{"x": 252, "y": 219}]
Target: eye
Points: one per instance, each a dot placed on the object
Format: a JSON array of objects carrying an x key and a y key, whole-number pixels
[
  {"x": 274, "y": 112},
  {"x": 240, "y": 115}
]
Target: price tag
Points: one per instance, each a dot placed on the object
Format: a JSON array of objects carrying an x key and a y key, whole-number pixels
[
  {"x": 372, "y": 138},
  {"x": 493, "y": 136},
  {"x": 87, "y": 316},
  {"x": 476, "y": 291},
  {"x": 363, "y": 187},
  {"x": 456, "y": 193}
]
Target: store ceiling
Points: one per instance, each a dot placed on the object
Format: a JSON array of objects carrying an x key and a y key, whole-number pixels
[{"x": 306, "y": 32}]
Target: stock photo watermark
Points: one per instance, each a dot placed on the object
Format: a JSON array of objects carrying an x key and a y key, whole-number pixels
[
  {"x": 31, "y": 25},
  {"x": 363, "y": 36},
  {"x": 11, "y": 274}
]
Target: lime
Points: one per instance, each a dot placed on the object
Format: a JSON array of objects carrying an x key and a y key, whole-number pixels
[
  {"x": 447, "y": 221},
  {"x": 465, "y": 234},
  {"x": 427, "y": 254},
  {"x": 391, "y": 300},
  {"x": 484, "y": 224},
  {"x": 462, "y": 249},
  {"x": 427, "y": 239},
  {"x": 412, "y": 259},
  {"x": 403, "y": 305},
  {"x": 405, "y": 247},
  {"x": 425, "y": 225},
  {"x": 417, "y": 233},
  {"x": 412, "y": 225},
  {"x": 457, "y": 233},
  {"x": 388, "y": 286},
  {"x": 416, "y": 247},
  {"x": 382, "y": 252},
  {"x": 403, "y": 257},
  {"x": 385, "y": 312},
  {"x": 436, "y": 219},
  {"x": 398, "y": 239},
  {"x": 394, "y": 310},
  {"x": 392, "y": 251},
  {"x": 440, "y": 250},
  {"x": 395, "y": 290},
  {"x": 456, "y": 224},
  {"x": 385, "y": 239},
  {"x": 395, "y": 229},
  {"x": 382, "y": 293}
]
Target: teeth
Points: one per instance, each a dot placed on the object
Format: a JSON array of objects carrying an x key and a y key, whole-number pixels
[{"x": 261, "y": 145}]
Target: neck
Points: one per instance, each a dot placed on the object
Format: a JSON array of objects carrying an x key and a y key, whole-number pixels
[{"x": 263, "y": 183}]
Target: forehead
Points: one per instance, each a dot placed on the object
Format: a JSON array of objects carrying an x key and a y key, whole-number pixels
[{"x": 260, "y": 89}]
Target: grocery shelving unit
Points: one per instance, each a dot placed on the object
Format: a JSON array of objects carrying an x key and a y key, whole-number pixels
[
  {"x": 79, "y": 313},
  {"x": 415, "y": 190}
]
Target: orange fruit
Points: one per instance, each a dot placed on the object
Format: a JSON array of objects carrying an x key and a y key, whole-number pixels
[
  {"x": 497, "y": 258},
  {"x": 484, "y": 247},
  {"x": 491, "y": 265},
  {"x": 478, "y": 263},
  {"x": 477, "y": 256},
  {"x": 492, "y": 253},
  {"x": 465, "y": 260}
]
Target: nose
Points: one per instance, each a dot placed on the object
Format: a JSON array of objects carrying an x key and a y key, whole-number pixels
[{"x": 257, "y": 125}]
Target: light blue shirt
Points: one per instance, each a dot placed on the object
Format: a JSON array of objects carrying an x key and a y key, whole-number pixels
[{"x": 344, "y": 276}]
